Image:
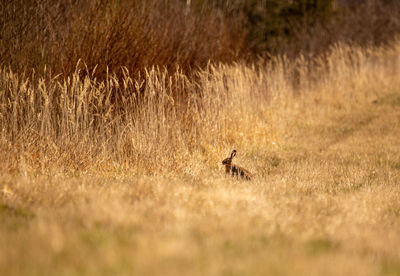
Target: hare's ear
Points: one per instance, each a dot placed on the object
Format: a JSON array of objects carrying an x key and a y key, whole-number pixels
[{"x": 233, "y": 153}]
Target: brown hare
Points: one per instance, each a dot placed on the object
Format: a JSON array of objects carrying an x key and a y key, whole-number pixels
[{"x": 235, "y": 169}]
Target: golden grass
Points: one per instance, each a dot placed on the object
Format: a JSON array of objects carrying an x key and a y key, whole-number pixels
[{"x": 88, "y": 187}]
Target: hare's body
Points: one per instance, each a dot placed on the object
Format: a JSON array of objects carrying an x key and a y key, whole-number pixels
[{"x": 234, "y": 169}]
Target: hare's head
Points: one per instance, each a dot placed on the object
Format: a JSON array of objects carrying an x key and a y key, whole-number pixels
[{"x": 228, "y": 161}]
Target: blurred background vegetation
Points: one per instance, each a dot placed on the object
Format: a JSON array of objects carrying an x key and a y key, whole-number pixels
[{"x": 107, "y": 35}]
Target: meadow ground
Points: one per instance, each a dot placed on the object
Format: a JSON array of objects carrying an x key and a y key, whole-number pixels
[{"x": 325, "y": 200}]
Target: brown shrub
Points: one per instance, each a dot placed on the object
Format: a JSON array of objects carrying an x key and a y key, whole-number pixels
[{"x": 107, "y": 35}]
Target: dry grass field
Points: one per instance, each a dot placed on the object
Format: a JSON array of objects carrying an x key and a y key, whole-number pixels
[{"x": 93, "y": 185}]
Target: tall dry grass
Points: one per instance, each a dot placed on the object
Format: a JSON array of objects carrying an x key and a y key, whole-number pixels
[
  {"x": 90, "y": 185},
  {"x": 166, "y": 122},
  {"x": 117, "y": 170}
]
